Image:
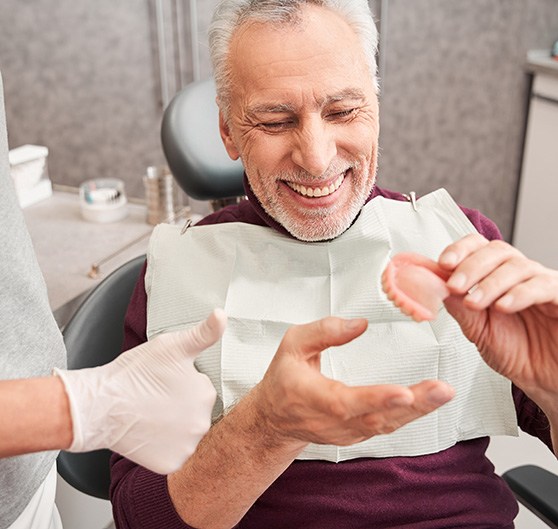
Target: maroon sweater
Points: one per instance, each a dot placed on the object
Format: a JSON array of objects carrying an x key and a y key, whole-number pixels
[{"x": 453, "y": 488}]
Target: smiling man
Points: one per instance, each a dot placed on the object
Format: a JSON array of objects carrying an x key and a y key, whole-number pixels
[
  {"x": 366, "y": 434},
  {"x": 303, "y": 116}
]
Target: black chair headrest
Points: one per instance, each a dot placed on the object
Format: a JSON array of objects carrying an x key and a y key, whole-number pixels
[{"x": 193, "y": 147}]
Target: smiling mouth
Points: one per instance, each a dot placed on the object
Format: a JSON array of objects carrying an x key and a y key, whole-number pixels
[{"x": 312, "y": 192}]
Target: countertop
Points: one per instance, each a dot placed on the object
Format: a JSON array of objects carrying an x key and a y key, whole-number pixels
[
  {"x": 67, "y": 246},
  {"x": 540, "y": 61}
]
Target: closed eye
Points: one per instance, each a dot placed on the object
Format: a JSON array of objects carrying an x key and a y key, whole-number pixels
[
  {"x": 276, "y": 126},
  {"x": 342, "y": 114}
]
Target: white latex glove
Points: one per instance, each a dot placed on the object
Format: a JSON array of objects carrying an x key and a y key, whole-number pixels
[{"x": 149, "y": 404}]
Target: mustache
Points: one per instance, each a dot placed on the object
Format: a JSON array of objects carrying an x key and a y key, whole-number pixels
[{"x": 335, "y": 169}]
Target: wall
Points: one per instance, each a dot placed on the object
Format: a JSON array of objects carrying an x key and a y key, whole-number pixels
[
  {"x": 82, "y": 78},
  {"x": 454, "y": 97}
]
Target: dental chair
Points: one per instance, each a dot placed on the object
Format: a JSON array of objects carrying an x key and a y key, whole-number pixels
[
  {"x": 93, "y": 337},
  {"x": 193, "y": 148}
]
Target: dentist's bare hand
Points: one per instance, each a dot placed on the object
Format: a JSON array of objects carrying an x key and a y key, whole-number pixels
[
  {"x": 150, "y": 404},
  {"x": 296, "y": 402}
]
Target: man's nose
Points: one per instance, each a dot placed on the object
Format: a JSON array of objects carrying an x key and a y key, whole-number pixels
[{"x": 314, "y": 146}]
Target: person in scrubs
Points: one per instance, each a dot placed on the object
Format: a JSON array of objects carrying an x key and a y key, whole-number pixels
[{"x": 152, "y": 405}]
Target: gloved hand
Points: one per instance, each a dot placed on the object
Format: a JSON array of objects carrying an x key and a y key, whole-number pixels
[{"x": 149, "y": 404}]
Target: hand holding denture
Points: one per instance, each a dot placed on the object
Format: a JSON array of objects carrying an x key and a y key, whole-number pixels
[{"x": 504, "y": 302}]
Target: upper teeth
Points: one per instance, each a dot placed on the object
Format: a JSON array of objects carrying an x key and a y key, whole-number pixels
[{"x": 317, "y": 191}]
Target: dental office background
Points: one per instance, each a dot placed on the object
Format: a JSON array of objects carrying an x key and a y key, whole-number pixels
[{"x": 89, "y": 80}]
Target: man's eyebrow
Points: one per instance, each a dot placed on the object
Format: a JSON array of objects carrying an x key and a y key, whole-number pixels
[
  {"x": 352, "y": 94},
  {"x": 270, "y": 108}
]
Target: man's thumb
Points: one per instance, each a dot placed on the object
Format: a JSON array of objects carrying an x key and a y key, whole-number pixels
[{"x": 311, "y": 339}]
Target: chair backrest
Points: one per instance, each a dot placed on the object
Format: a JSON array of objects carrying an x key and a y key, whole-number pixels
[
  {"x": 93, "y": 337},
  {"x": 193, "y": 147}
]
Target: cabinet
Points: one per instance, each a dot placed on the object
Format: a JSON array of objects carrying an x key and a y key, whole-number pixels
[{"x": 536, "y": 221}]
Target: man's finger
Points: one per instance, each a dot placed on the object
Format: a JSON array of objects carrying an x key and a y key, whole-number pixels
[
  {"x": 361, "y": 400},
  {"x": 538, "y": 290},
  {"x": 311, "y": 339},
  {"x": 395, "y": 399},
  {"x": 428, "y": 396},
  {"x": 459, "y": 250}
]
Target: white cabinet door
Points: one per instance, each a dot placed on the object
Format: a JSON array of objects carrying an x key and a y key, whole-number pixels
[{"x": 536, "y": 225}]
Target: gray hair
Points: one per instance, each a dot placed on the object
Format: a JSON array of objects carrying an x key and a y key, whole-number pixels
[{"x": 230, "y": 14}]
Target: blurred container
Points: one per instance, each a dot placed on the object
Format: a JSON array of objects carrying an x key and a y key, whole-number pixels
[
  {"x": 103, "y": 200},
  {"x": 29, "y": 171},
  {"x": 161, "y": 195}
]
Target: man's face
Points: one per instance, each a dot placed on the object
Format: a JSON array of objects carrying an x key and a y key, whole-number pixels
[{"x": 304, "y": 121}]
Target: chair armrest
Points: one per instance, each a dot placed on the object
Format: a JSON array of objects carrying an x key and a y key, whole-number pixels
[{"x": 536, "y": 489}]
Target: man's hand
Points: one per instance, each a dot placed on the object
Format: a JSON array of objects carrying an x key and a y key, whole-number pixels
[
  {"x": 150, "y": 404},
  {"x": 296, "y": 402},
  {"x": 293, "y": 405},
  {"x": 508, "y": 306}
]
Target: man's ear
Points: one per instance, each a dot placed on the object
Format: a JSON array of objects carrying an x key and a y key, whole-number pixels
[{"x": 227, "y": 138}]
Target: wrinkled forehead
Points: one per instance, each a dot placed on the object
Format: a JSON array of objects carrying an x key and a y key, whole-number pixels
[
  {"x": 319, "y": 26},
  {"x": 319, "y": 51}
]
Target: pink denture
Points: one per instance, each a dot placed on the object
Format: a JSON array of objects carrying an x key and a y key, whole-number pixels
[{"x": 415, "y": 284}]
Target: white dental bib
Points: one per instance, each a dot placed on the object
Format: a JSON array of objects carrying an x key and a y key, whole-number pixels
[{"x": 267, "y": 282}]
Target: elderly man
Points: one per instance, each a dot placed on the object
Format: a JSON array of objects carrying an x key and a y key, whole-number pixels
[{"x": 367, "y": 435}]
